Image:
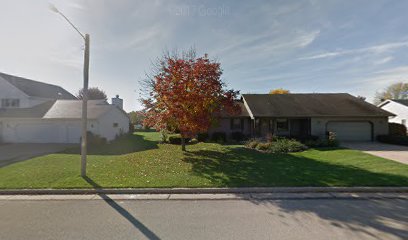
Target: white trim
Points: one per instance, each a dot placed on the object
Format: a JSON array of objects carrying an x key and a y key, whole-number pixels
[{"x": 247, "y": 108}]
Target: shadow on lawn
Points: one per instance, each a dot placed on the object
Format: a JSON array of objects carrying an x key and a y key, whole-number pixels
[
  {"x": 122, "y": 211},
  {"x": 239, "y": 167},
  {"x": 123, "y": 145}
]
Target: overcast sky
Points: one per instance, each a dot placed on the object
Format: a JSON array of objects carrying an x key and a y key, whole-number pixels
[{"x": 304, "y": 46}]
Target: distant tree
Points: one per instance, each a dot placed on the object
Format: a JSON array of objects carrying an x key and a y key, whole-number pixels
[
  {"x": 94, "y": 93},
  {"x": 186, "y": 94},
  {"x": 137, "y": 117},
  {"x": 394, "y": 91},
  {"x": 361, "y": 97},
  {"x": 279, "y": 91}
]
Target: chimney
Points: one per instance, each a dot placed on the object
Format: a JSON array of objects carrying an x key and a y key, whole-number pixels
[{"x": 118, "y": 102}]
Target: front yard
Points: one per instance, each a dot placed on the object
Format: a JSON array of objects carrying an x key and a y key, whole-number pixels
[{"x": 140, "y": 161}]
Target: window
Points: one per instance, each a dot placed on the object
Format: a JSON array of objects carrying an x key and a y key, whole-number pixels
[
  {"x": 10, "y": 103},
  {"x": 115, "y": 125},
  {"x": 404, "y": 122},
  {"x": 236, "y": 124},
  {"x": 282, "y": 125}
]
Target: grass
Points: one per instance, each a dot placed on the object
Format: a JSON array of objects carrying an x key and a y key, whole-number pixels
[{"x": 140, "y": 161}]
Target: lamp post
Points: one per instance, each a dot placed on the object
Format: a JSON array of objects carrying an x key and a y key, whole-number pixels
[{"x": 84, "y": 120}]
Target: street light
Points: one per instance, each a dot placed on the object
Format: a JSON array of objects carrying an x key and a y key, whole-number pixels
[{"x": 85, "y": 92}]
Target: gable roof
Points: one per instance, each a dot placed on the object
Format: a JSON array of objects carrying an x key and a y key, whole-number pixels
[
  {"x": 72, "y": 109},
  {"x": 401, "y": 101},
  {"x": 311, "y": 105},
  {"x": 37, "y": 111},
  {"x": 60, "y": 109},
  {"x": 37, "y": 89},
  {"x": 242, "y": 113}
]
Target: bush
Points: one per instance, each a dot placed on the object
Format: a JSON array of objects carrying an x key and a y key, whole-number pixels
[
  {"x": 397, "y": 129},
  {"x": 219, "y": 137},
  {"x": 279, "y": 145},
  {"x": 238, "y": 136},
  {"x": 399, "y": 140},
  {"x": 307, "y": 138},
  {"x": 252, "y": 143},
  {"x": 164, "y": 136},
  {"x": 177, "y": 140},
  {"x": 202, "y": 137},
  {"x": 95, "y": 140},
  {"x": 264, "y": 146},
  {"x": 286, "y": 145},
  {"x": 321, "y": 143}
]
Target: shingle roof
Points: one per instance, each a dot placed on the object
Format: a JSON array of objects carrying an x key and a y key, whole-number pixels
[
  {"x": 401, "y": 101},
  {"x": 243, "y": 112},
  {"x": 59, "y": 109},
  {"x": 35, "y": 112},
  {"x": 311, "y": 105},
  {"x": 37, "y": 89},
  {"x": 72, "y": 109}
]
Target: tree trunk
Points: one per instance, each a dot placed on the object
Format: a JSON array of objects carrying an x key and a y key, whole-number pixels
[{"x": 183, "y": 144}]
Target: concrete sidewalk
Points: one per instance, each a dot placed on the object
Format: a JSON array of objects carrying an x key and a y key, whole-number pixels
[
  {"x": 238, "y": 190},
  {"x": 221, "y": 196}
]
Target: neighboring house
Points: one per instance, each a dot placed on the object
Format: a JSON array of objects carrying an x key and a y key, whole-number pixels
[
  {"x": 397, "y": 107},
  {"x": 301, "y": 115},
  {"x": 35, "y": 112}
]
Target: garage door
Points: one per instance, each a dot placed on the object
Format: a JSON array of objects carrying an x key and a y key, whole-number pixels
[
  {"x": 40, "y": 133},
  {"x": 351, "y": 131}
]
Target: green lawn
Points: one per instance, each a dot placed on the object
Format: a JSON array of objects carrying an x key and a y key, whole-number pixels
[{"x": 139, "y": 161}]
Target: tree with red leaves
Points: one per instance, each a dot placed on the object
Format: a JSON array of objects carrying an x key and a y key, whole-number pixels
[{"x": 187, "y": 95}]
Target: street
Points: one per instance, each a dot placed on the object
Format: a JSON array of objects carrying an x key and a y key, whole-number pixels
[{"x": 205, "y": 219}]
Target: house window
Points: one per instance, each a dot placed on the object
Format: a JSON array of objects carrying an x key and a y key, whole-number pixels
[
  {"x": 115, "y": 125},
  {"x": 282, "y": 125},
  {"x": 236, "y": 124},
  {"x": 10, "y": 103},
  {"x": 404, "y": 122}
]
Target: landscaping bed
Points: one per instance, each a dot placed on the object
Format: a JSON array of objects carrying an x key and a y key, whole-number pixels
[{"x": 139, "y": 161}]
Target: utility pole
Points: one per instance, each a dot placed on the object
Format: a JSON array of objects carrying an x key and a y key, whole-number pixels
[
  {"x": 84, "y": 119},
  {"x": 85, "y": 108}
]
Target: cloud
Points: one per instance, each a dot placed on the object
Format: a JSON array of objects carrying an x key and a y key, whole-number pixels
[
  {"x": 386, "y": 77},
  {"x": 370, "y": 50},
  {"x": 383, "y": 60}
]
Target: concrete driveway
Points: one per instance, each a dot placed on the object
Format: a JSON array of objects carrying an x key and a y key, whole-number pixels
[
  {"x": 12, "y": 153},
  {"x": 389, "y": 151}
]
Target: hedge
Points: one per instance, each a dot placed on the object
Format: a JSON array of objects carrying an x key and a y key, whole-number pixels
[{"x": 398, "y": 140}]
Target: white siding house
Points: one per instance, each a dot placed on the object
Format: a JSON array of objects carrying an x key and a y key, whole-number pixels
[
  {"x": 397, "y": 107},
  {"x": 35, "y": 112}
]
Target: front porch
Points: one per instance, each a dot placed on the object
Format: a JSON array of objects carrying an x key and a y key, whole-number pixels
[{"x": 288, "y": 127}]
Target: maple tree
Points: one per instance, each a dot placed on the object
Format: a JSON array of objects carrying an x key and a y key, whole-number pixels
[
  {"x": 186, "y": 95},
  {"x": 279, "y": 91}
]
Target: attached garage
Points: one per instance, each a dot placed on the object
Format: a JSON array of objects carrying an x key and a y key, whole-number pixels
[
  {"x": 351, "y": 131},
  {"x": 39, "y": 131},
  {"x": 60, "y": 122}
]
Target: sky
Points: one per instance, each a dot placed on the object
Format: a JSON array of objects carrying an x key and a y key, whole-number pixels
[{"x": 358, "y": 46}]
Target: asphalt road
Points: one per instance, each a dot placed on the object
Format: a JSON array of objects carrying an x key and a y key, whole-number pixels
[{"x": 204, "y": 219}]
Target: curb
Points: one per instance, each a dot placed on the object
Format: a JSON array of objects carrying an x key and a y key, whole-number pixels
[
  {"x": 252, "y": 197},
  {"x": 250, "y": 190}
]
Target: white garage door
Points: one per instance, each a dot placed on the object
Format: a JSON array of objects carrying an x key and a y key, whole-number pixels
[
  {"x": 40, "y": 133},
  {"x": 351, "y": 131}
]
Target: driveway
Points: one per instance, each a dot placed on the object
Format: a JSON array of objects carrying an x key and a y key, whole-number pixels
[
  {"x": 12, "y": 153},
  {"x": 389, "y": 151}
]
